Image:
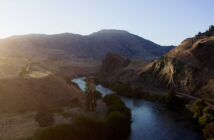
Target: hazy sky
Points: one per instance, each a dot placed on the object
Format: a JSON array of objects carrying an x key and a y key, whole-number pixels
[{"x": 162, "y": 21}]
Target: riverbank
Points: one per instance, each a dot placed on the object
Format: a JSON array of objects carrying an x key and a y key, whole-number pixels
[
  {"x": 115, "y": 123},
  {"x": 149, "y": 119}
]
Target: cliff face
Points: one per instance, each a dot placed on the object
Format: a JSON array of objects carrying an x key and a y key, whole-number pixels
[{"x": 189, "y": 68}]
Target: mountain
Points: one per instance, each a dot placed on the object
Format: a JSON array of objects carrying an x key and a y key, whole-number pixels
[
  {"x": 95, "y": 45},
  {"x": 31, "y": 64},
  {"x": 188, "y": 68}
]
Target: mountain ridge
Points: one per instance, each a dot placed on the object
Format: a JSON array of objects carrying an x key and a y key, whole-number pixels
[{"x": 95, "y": 45}]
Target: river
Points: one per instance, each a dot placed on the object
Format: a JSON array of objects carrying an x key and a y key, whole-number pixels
[{"x": 152, "y": 121}]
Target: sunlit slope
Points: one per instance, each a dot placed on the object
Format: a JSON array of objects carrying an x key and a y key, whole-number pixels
[{"x": 189, "y": 68}]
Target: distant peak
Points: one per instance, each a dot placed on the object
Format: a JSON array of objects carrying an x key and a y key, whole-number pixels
[{"x": 110, "y": 31}]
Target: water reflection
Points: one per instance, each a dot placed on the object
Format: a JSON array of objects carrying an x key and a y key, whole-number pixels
[{"x": 151, "y": 121}]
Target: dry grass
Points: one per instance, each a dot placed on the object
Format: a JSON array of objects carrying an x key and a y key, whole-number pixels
[
  {"x": 17, "y": 125},
  {"x": 42, "y": 79}
]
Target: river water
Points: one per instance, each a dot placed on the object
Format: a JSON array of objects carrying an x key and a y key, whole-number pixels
[{"x": 152, "y": 121}]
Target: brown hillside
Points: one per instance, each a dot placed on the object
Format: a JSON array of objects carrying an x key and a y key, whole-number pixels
[
  {"x": 24, "y": 94},
  {"x": 189, "y": 67}
]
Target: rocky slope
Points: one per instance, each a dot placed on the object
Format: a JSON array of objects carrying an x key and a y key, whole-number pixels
[{"x": 188, "y": 68}]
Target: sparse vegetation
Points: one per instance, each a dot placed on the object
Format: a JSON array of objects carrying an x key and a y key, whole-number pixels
[
  {"x": 205, "y": 118},
  {"x": 74, "y": 102},
  {"x": 44, "y": 116},
  {"x": 208, "y": 131},
  {"x": 208, "y": 32},
  {"x": 116, "y": 104},
  {"x": 26, "y": 69},
  {"x": 125, "y": 89},
  {"x": 118, "y": 119},
  {"x": 137, "y": 92},
  {"x": 197, "y": 108},
  {"x": 83, "y": 128},
  {"x": 115, "y": 125}
]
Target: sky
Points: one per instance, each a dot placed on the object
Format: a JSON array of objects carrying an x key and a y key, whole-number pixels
[{"x": 166, "y": 22}]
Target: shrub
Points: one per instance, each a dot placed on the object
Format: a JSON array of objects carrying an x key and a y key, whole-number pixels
[
  {"x": 111, "y": 99},
  {"x": 58, "y": 132},
  {"x": 88, "y": 129},
  {"x": 208, "y": 32},
  {"x": 83, "y": 128},
  {"x": 115, "y": 103},
  {"x": 117, "y": 126},
  {"x": 118, "y": 119},
  {"x": 208, "y": 131},
  {"x": 197, "y": 108},
  {"x": 120, "y": 108},
  {"x": 207, "y": 116}
]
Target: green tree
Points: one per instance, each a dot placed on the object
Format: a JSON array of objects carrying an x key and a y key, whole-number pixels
[
  {"x": 90, "y": 95},
  {"x": 207, "y": 116},
  {"x": 118, "y": 119},
  {"x": 197, "y": 108},
  {"x": 112, "y": 99},
  {"x": 211, "y": 28}
]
